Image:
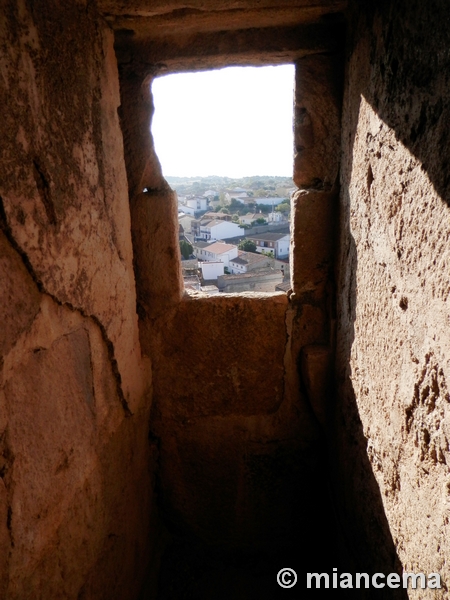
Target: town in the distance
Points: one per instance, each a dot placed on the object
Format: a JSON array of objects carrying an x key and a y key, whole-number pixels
[{"x": 234, "y": 233}]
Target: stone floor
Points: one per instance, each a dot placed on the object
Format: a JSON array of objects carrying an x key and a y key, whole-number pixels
[{"x": 192, "y": 571}]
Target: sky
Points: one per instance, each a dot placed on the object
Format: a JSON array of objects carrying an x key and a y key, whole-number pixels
[{"x": 232, "y": 122}]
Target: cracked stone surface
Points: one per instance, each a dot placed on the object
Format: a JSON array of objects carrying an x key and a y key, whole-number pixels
[{"x": 72, "y": 456}]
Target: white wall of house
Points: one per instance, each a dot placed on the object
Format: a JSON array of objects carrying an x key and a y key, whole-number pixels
[
  {"x": 279, "y": 248},
  {"x": 237, "y": 269},
  {"x": 262, "y": 246},
  {"x": 239, "y": 196},
  {"x": 220, "y": 231},
  {"x": 275, "y": 217},
  {"x": 199, "y": 252},
  {"x": 261, "y": 249},
  {"x": 213, "y": 254},
  {"x": 190, "y": 206},
  {"x": 225, "y": 230},
  {"x": 283, "y": 247},
  {"x": 212, "y": 270},
  {"x": 197, "y": 203},
  {"x": 187, "y": 210}
]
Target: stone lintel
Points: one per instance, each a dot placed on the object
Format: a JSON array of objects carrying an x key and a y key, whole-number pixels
[
  {"x": 196, "y": 51},
  {"x": 174, "y": 9}
]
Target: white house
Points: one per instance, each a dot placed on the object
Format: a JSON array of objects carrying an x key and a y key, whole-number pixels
[
  {"x": 248, "y": 261},
  {"x": 192, "y": 204},
  {"x": 276, "y": 243},
  {"x": 216, "y": 252},
  {"x": 212, "y": 270},
  {"x": 217, "y": 230},
  {"x": 275, "y": 217},
  {"x": 237, "y": 195}
]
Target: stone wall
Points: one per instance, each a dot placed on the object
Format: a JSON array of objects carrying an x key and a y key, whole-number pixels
[
  {"x": 74, "y": 391},
  {"x": 393, "y": 415}
]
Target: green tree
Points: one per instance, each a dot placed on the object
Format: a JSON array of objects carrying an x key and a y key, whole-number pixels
[
  {"x": 247, "y": 246},
  {"x": 284, "y": 207},
  {"x": 185, "y": 249}
]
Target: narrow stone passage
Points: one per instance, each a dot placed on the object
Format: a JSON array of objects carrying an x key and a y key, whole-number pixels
[{"x": 194, "y": 570}]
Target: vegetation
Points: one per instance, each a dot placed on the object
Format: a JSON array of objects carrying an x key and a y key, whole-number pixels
[
  {"x": 284, "y": 207},
  {"x": 257, "y": 185},
  {"x": 247, "y": 246},
  {"x": 185, "y": 249}
]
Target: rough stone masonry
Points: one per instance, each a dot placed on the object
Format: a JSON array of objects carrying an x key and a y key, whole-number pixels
[{"x": 121, "y": 418}]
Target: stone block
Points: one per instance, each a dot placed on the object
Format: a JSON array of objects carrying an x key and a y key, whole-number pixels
[
  {"x": 312, "y": 246},
  {"x": 157, "y": 260},
  {"x": 317, "y": 131},
  {"x": 214, "y": 354}
]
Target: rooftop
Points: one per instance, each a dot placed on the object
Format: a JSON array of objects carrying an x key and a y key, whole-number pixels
[
  {"x": 220, "y": 247},
  {"x": 199, "y": 244},
  {"x": 269, "y": 237},
  {"x": 248, "y": 258}
]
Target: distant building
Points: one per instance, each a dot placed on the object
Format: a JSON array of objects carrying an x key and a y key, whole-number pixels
[
  {"x": 218, "y": 251},
  {"x": 249, "y": 261},
  {"x": 192, "y": 205},
  {"x": 219, "y": 216},
  {"x": 212, "y": 270},
  {"x": 250, "y": 217},
  {"x": 215, "y": 229},
  {"x": 186, "y": 222},
  {"x": 275, "y": 217},
  {"x": 276, "y": 243},
  {"x": 238, "y": 194}
]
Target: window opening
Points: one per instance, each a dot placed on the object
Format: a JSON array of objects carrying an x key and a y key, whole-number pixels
[{"x": 224, "y": 139}]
